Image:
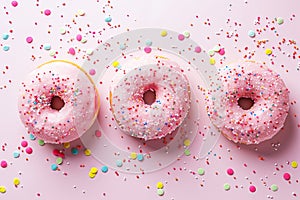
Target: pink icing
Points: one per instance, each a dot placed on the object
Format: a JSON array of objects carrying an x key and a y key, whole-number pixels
[
  {"x": 170, "y": 107},
  {"x": 58, "y": 79},
  {"x": 267, "y": 115}
]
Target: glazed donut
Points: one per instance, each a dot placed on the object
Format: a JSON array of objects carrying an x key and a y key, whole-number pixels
[
  {"x": 58, "y": 102},
  {"x": 266, "y": 108},
  {"x": 169, "y": 93}
]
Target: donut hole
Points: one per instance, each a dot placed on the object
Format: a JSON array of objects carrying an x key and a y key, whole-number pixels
[
  {"x": 245, "y": 103},
  {"x": 149, "y": 96},
  {"x": 57, "y": 103}
]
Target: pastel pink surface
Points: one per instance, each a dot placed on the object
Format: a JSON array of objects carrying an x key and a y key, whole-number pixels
[{"x": 261, "y": 165}]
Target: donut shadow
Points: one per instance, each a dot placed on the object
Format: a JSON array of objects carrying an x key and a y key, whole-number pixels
[{"x": 279, "y": 144}]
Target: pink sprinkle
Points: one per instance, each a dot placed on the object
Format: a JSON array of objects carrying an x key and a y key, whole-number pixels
[
  {"x": 197, "y": 49},
  {"x": 92, "y": 72},
  {"x": 230, "y": 171},
  {"x": 24, "y": 143},
  {"x": 14, "y": 3},
  {"x": 79, "y": 37},
  {"x": 47, "y": 12},
  {"x": 98, "y": 133},
  {"x": 72, "y": 51},
  {"x": 147, "y": 49},
  {"x": 29, "y": 39},
  {"x": 3, "y": 164},
  {"x": 180, "y": 37},
  {"x": 286, "y": 176},
  {"x": 252, "y": 188},
  {"x": 222, "y": 51},
  {"x": 29, "y": 150}
]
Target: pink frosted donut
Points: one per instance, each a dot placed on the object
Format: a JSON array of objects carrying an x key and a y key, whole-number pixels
[
  {"x": 159, "y": 115},
  {"x": 254, "y": 105},
  {"x": 58, "y": 102}
]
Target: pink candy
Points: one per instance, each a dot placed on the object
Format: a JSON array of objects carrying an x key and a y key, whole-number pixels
[
  {"x": 3, "y": 164},
  {"x": 197, "y": 49},
  {"x": 286, "y": 176},
  {"x": 147, "y": 49},
  {"x": 230, "y": 171},
  {"x": 29, "y": 39},
  {"x": 79, "y": 37},
  {"x": 252, "y": 188},
  {"x": 47, "y": 12},
  {"x": 72, "y": 51},
  {"x": 14, "y": 3}
]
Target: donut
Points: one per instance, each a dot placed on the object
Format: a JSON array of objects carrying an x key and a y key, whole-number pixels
[
  {"x": 58, "y": 102},
  {"x": 254, "y": 103},
  {"x": 149, "y": 97}
]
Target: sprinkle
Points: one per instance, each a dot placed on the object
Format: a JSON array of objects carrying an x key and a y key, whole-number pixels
[
  {"x": 216, "y": 48},
  {"x": 14, "y": 3},
  {"x": 201, "y": 171},
  {"x": 187, "y": 152},
  {"x": 279, "y": 20},
  {"x": 104, "y": 169},
  {"x": 29, "y": 150},
  {"x": 148, "y": 42},
  {"x": 226, "y": 186},
  {"x": 6, "y": 48},
  {"x": 2, "y": 189},
  {"x": 16, "y": 181},
  {"x": 54, "y": 167},
  {"x": 89, "y": 52},
  {"x": 62, "y": 31},
  {"x": 211, "y": 52},
  {"x": 59, "y": 160},
  {"x": 119, "y": 163},
  {"x": 186, "y": 34},
  {"x": 78, "y": 37},
  {"x": 251, "y": 33},
  {"x": 212, "y": 61},
  {"x": 32, "y": 137},
  {"x": 16, "y": 154},
  {"x": 115, "y": 64},
  {"x": 274, "y": 188},
  {"x": 47, "y": 12},
  {"x": 108, "y": 19},
  {"x": 5, "y": 36},
  {"x": 24, "y": 143},
  {"x": 197, "y": 49},
  {"x": 87, "y": 152},
  {"x": 74, "y": 151},
  {"x": 3, "y": 164},
  {"x": 294, "y": 164},
  {"x": 159, "y": 185},
  {"x": 286, "y": 176},
  {"x": 230, "y": 171},
  {"x": 268, "y": 51},
  {"x": 140, "y": 157},
  {"x": 163, "y": 33},
  {"x": 181, "y": 37},
  {"x": 147, "y": 49},
  {"x": 187, "y": 142},
  {"x": 29, "y": 39},
  {"x": 47, "y": 47},
  {"x": 94, "y": 170},
  {"x": 252, "y": 188},
  {"x": 133, "y": 155},
  {"x": 222, "y": 51},
  {"x": 41, "y": 142},
  {"x": 81, "y": 12},
  {"x": 67, "y": 145},
  {"x": 72, "y": 51},
  {"x": 160, "y": 192}
]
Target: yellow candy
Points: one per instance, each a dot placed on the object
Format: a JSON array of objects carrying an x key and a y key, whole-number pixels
[
  {"x": 187, "y": 142},
  {"x": 94, "y": 170},
  {"x": 268, "y": 51},
  {"x": 2, "y": 189},
  {"x": 16, "y": 181},
  {"x": 294, "y": 164},
  {"x": 212, "y": 61},
  {"x": 87, "y": 152},
  {"x": 115, "y": 64},
  {"x": 133, "y": 155},
  {"x": 160, "y": 185},
  {"x": 92, "y": 175},
  {"x": 163, "y": 33},
  {"x": 67, "y": 145}
]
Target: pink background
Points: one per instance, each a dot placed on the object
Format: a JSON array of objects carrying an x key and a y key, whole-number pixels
[{"x": 229, "y": 22}]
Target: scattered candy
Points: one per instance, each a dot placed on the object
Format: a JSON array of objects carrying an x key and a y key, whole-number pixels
[
  {"x": 268, "y": 51},
  {"x": 251, "y": 33},
  {"x": 81, "y": 12},
  {"x": 47, "y": 47},
  {"x": 72, "y": 51},
  {"x": 163, "y": 33},
  {"x": 108, "y": 19},
  {"x": 279, "y": 20},
  {"x": 252, "y": 188},
  {"x": 147, "y": 49},
  {"x": 133, "y": 155},
  {"x": 201, "y": 171},
  {"x": 230, "y": 171},
  {"x": 294, "y": 164},
  {"x": 140, "y": 157},
  {"x": 3, "y": 164},
  {"x": 274, "y": 188},
  {"x": 160, "y": 192},
  {"x": 54, "y": 167},
  {"x": 104, "y": 169},
  {"x": 119, "y": 163},
  {"x": 74, "y": 151},
  {"x": 87, "y": 152},
  {"x": 186, "y": 34},
  {"x": 5, "y": 36},
  {"x": 41, "y": 142},
  {"x": 226, "y": 186},
  {"x": 286, "y": 176},
  {"x": 24, "y": 143},
  {"x": 14, "y": 3},
  {"x": 2, "y": 189},
  {"x": 29, "y": 39},
  {"x": 47, "y": 12},
  {"x": 212, "y": 61},
  {"x": 29, "y": 150},
  {"x": 6, "y": 48},
  {"x": 181, "y": 37},
  {"x": 59, "y": 160},
  {"x": 16, "y": 154},
  {"x": 16, "y": 181},
  {"x": 159, "y": 185},
  {"x": 197, "y": 49}
]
